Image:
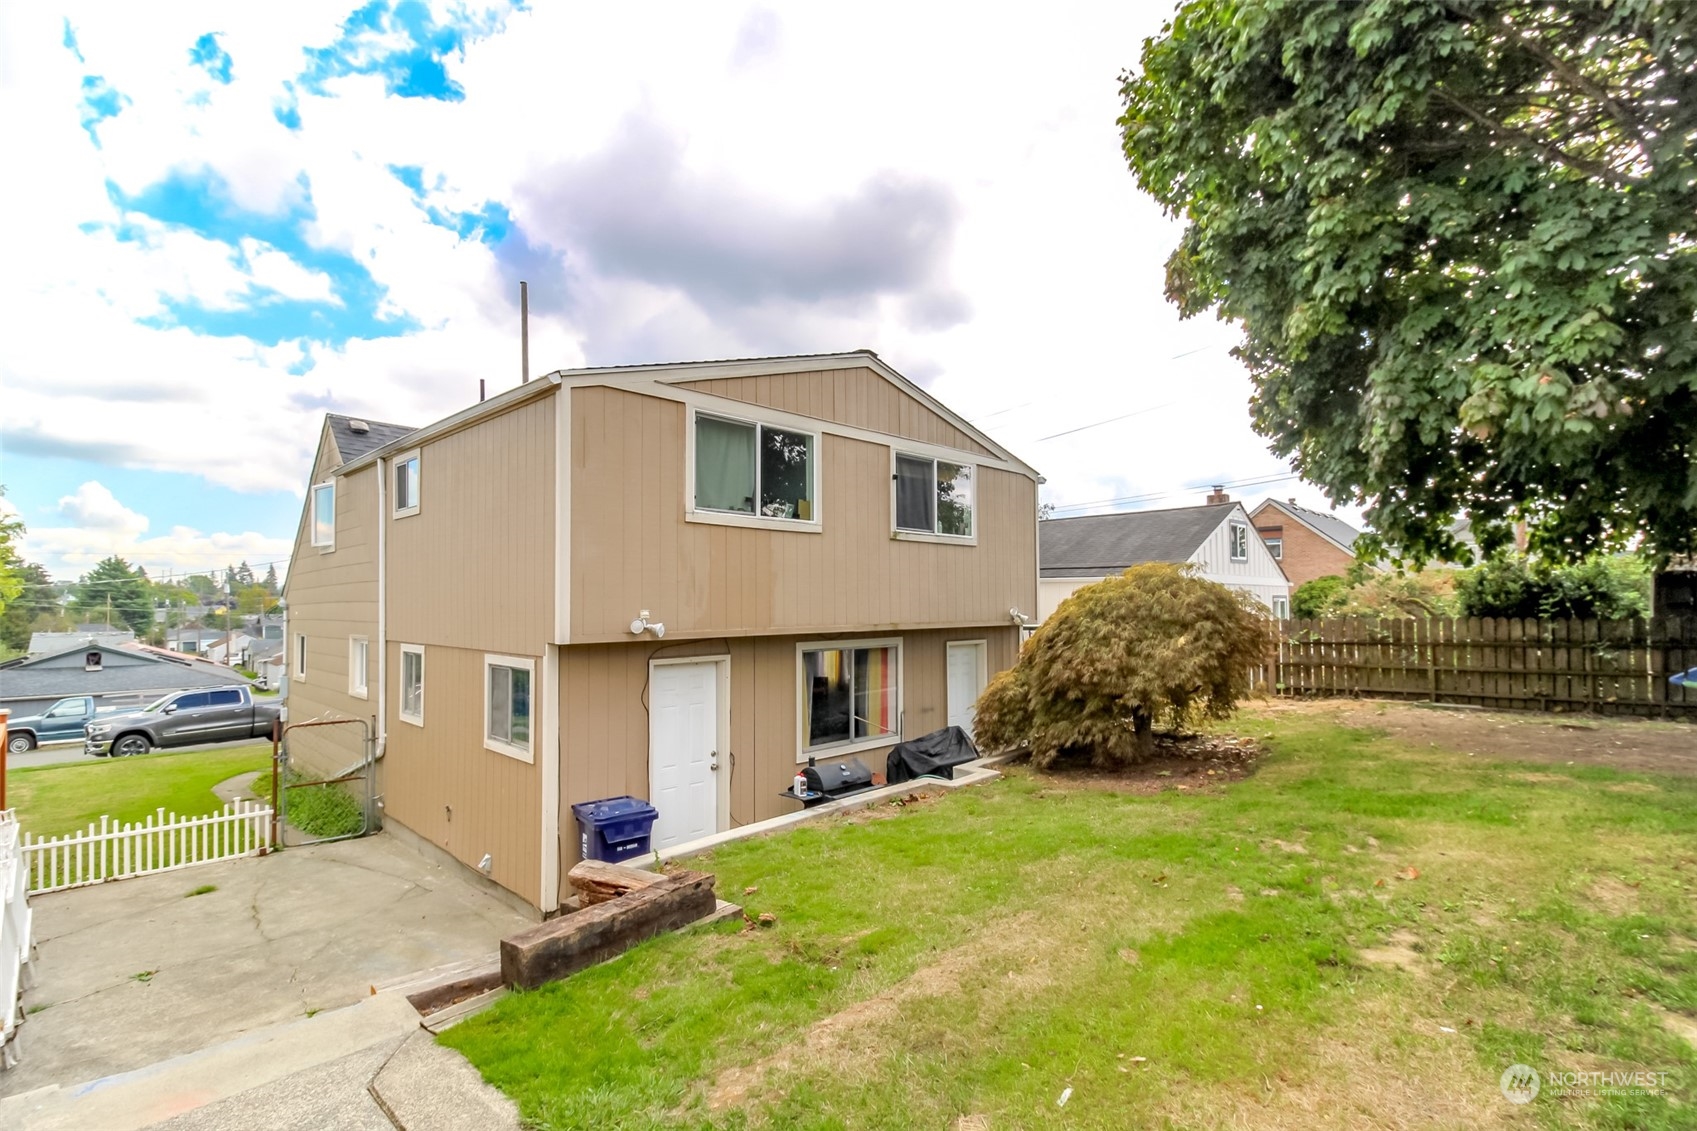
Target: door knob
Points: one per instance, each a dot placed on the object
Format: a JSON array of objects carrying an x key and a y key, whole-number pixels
[{"x": 712, "y": 759}]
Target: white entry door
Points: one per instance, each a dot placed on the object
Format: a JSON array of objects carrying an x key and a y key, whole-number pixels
[
  {"x": 966, "y": 681},
  {"x": 683, "y": 756}
]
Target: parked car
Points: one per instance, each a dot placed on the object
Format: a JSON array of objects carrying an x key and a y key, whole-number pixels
[
  {"x": 183, "y": 718},
  {"x": 62, "y": 722}
]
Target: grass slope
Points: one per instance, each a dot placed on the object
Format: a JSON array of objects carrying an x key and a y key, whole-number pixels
[
  {"x": 1245, "y": 956},
  {"x": 59, "y": 799}
]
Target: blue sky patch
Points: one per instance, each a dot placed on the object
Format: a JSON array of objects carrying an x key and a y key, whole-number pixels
[
  {"x": 99, "y": 102},
  {"x": 402, "y": 43},
  {"x": 210, "y": 57},
  {"x": 201, "y": 202},
  {"x": 287, "y": 108},
  {"x": 70, "y": 42}
]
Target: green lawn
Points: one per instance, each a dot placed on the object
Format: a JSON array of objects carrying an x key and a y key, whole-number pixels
[
  {"x": 1248, "y": 955},
  {"x": 59, "y": 799}
]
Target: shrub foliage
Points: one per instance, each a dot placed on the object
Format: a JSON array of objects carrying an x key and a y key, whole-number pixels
[{"x": 1157, "y": 646}]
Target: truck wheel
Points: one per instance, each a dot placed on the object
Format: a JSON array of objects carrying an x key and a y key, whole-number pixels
[
  {"x": 20, "y": 744},
  {"x": 130, "y": 744}
]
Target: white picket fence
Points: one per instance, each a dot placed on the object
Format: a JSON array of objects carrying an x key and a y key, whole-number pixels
[
  {"x": 15, "y": 940},
  {"x": 161, "y": 843}
]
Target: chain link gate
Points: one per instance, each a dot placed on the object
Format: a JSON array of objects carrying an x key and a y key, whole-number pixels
[{"x": 323, "y": 782}]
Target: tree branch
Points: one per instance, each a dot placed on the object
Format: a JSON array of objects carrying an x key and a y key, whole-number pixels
[{"x": 1509, "y": 133}]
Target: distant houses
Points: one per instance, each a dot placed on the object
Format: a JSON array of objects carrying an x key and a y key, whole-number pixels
[{"x": 114, "y": 674}]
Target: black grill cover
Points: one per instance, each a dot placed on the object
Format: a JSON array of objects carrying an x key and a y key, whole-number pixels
[{"x": 936, "y": 754}]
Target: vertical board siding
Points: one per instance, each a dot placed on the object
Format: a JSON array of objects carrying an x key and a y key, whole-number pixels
[
  {"x": 1604, "y": 667},
  {"x": 440, "y": 782},
  {"x": 856, "y": 396},
  {"x": 1259, "y": 575},
  {"x": 333, "y": 596},
  {"x": 474, "y": 567},
  {"x": 604, "y": 714},
  {"x": 632, "y": 548}
]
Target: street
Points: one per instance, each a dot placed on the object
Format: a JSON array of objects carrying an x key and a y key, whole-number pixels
[{"x": 56, "y": 753}]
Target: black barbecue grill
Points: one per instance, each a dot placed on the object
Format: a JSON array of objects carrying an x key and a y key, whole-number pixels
[{"x": 832, "y": 782}]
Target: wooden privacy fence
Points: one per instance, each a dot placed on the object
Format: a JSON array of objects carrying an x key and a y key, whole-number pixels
[
  {"x": 1607, "y": 667},
  {"x": 161, "y": 843}
]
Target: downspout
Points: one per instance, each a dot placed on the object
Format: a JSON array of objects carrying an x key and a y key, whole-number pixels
[{"x": 382, "y": 612}]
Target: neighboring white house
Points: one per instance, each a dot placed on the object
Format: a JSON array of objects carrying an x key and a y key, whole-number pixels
[{"x": 1218, "y": 538}]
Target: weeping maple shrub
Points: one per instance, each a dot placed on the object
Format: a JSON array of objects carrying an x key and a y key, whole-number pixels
[{"x": 1156, "y": 646}]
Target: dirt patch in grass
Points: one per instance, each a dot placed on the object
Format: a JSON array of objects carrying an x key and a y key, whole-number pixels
[
  {"x": 1400, "y": 951},
  {"x": 1192, "y": 762},
  {"x": 1613, "y": 896},
  {"x": 1638, "y": 745}
]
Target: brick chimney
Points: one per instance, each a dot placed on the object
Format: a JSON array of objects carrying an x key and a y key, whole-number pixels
[{"x": 1219, "y": 496}]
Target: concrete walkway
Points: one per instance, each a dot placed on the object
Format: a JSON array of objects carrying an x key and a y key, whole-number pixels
[{"x": 155, "y": 1000}]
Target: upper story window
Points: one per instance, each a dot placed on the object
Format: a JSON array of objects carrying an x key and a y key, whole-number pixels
[
  {"x": 300, "y": 656},
  {"x": 934, "y": 496},
  {"x": 755, "y": 469},
  {"x": 1240, "y": 542},
  {"x": 324, "y": 515},
  {"x": 1276, "y": 547},
  {"x": 406, "y": 484}
]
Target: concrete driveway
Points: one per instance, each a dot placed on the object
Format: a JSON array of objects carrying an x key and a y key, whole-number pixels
[{"x": 131, "y": 973}]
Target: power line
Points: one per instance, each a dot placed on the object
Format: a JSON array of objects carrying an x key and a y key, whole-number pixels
[
  {"x": 1110, "y": 420},
  {"x": 1254, "y": 482}
]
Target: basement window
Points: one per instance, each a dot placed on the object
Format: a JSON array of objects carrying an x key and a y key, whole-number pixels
[{"x": 507, "y": 705}]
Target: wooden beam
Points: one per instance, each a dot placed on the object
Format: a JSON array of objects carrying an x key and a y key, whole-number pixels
[
  {"x": 600, "y": 881},
  {"x": 561, "y": 947}
]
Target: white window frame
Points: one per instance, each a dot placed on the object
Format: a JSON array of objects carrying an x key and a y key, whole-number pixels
[
  {"x": 397, "y": 463},
  {"x": 401, "y": 692},
  {"x": 960, "y": 460},
  {"x": 312, "y": 516},
  {"x": 692, "y": 513},
  {"x": 300, "y": 656},
  {"x": 1275, "y": 546},
  {"x": 359, "y": 646},
  {"x": 498, "y": 745},
  {"x": 838, "y": 750},
  {"x": 1238, "y": 534},
  {"x": 1284, "y": 612}
]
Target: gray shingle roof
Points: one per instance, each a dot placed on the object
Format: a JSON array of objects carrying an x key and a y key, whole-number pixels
[
  {"x": 33, "y": 679},
  {"x": 1330, "y": 525},
  {"x": 353, "y": 444},
  {"x": 1100, "y": 544}
]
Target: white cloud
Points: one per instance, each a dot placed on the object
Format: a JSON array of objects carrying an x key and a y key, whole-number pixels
[
  {"x": 98, "y": 525},
  {"x": 1057, "y": 256}
]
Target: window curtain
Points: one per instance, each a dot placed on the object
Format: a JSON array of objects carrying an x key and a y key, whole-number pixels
[
  {"x": 874, "y": 692},
  {"x": 724, "y": 465},
  {"x": 915, "y": 496}
]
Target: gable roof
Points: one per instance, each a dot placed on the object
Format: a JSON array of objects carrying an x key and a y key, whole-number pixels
[
  {"x": 55, "y": 643},
  {"x": 352, "y": 444},
  {"x": 677, "y": 373},
  {"x": 1328, "y": 526},
  {"x": 142, "y": 668},
  {"x": 1101, "y": 544}
]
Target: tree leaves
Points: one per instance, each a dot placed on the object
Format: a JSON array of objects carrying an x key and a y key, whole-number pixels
[{"x": 1457, "y": 234}]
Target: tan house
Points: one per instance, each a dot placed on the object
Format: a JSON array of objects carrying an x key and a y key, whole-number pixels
[
  {"x": 1306, "y": 543},
  {"x": 678, "y": 582}
]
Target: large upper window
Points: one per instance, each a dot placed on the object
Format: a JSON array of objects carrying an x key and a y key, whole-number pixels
[
  {"x": 324, "y": 515},
  {"x": 406, "y": 485},
  {"x": 934, "y": 496},
  {"x": 850, "y": 696},
  {"x": 412, "y": 684},
  {"x": 754, "y": 469},
  {"x": 507, "y": 705}
]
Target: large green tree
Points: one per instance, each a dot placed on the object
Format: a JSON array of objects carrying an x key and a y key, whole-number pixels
[
  {"x": 1461, "y": 239},
  {"x": 11, "y": 563},
  {"x": 37, "y": 597},
  {"x": 117, "y": 585}
]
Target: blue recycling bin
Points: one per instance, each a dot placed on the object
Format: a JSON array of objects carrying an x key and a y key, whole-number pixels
[{"x": 614, "y": 828}]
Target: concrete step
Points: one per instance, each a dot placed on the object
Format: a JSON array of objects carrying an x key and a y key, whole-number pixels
[{"x": 425, "y": 1087}]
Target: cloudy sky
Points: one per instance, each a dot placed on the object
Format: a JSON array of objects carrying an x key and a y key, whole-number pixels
[{"x": 239, "y": 216}]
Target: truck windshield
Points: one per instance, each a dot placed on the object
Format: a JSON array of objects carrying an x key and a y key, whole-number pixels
[{"x": 158, "y": 703}]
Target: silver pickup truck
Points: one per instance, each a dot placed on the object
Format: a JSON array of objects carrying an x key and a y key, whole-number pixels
[{"x": 182, "y": 718}]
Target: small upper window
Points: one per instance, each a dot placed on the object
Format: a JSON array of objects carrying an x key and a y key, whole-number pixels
[
  {"x": 753, "y": 469},
  {"x": 92, "y": 662},
  {"x": 300, "y": 655},
  {"x": 934, "y": 496},
  {"x": 1276, "y": 547},
  {"x": 406, "y": 485},
  {"x": 1240, "y": 542},
  {"x": 324, "y": 515}
]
